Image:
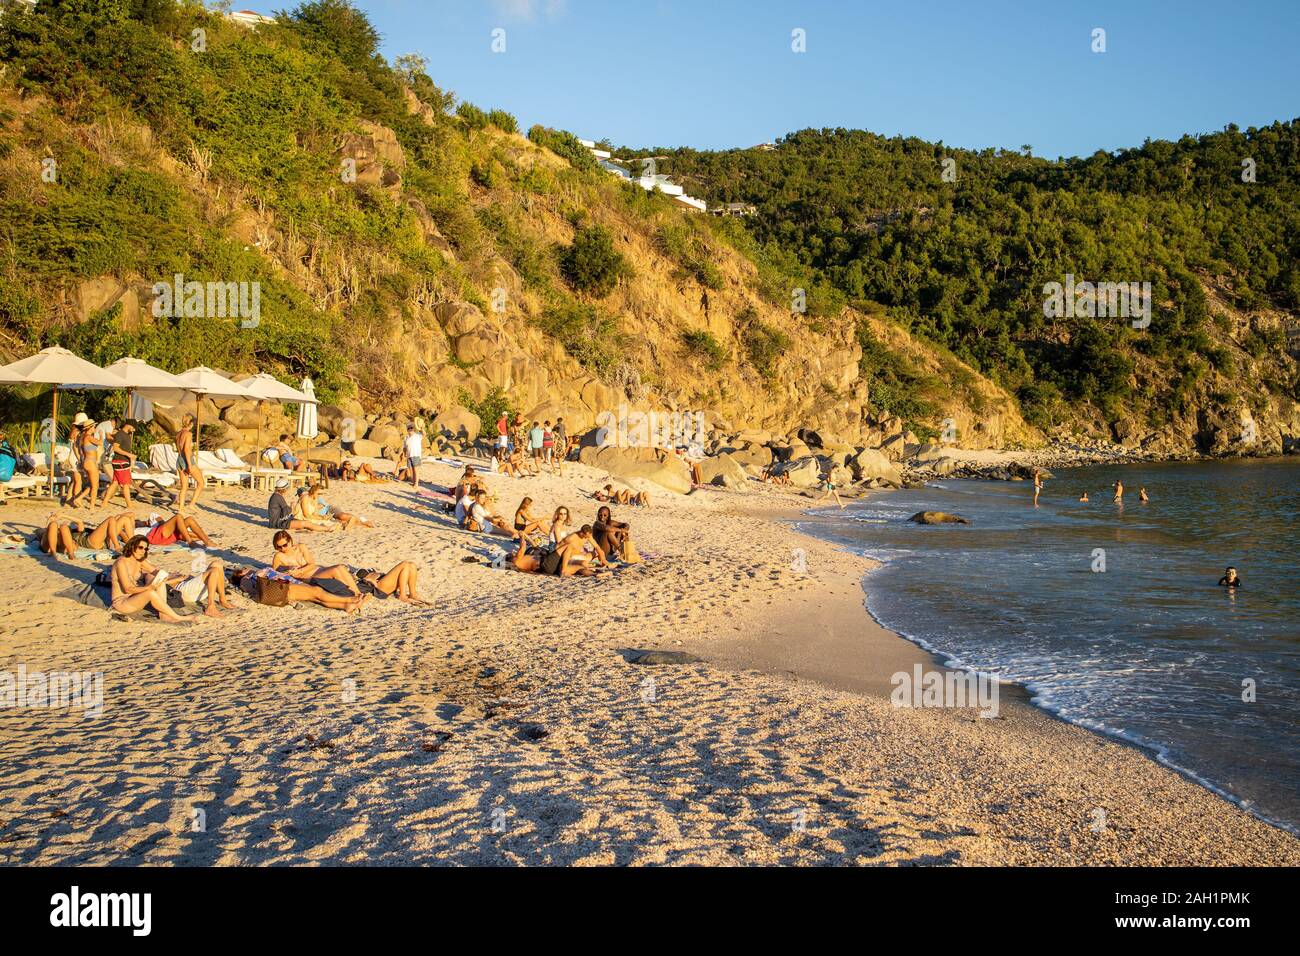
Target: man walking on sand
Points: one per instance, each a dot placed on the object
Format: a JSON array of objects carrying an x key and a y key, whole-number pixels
[{"x": 414, "y": 447}]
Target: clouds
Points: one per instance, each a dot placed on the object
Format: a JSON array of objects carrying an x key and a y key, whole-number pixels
[{"x": 529, "y": 10}]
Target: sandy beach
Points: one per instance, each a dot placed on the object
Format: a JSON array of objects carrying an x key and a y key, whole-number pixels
[{"x": 505, "y": 725}]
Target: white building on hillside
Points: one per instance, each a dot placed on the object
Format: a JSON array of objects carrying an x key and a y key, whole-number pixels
[{"x": 648, "y": 183}]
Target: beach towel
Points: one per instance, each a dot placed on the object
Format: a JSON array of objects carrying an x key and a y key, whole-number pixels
[{"x": 437, "y": 496}]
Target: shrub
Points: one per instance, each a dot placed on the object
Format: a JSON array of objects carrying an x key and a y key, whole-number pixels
[
  {"x": 565, "y": 144},
  {"x": 503, "y": 121},
  {"x": 592, "y": 264},
  {"x": 704, "y": 345},
  {"x": 587, "y": 334},
  {"x": 764, "y": 345}
]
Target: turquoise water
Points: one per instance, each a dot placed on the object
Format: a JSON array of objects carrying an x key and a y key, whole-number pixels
[{"x": 1150, "y": 649}]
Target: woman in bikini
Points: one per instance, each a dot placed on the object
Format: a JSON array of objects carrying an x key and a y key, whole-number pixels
[
  {"x": 187, "y": 463},
  {"x": 400, "y": 582},
  {"x": 90, "y": 448},
  {"x": 296, "y": 560},
  {"x": 137, "y": 584},
  {"x": 525, "y": 523},
  {"x": 313, "y": 509},
  {"x": 177, "y": 528},
  {"x": 561, "y": 525},
  {"x": 111, "y": 534}
]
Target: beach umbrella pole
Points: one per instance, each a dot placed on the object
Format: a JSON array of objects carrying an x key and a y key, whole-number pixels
[{"x": 54, "y": 436}]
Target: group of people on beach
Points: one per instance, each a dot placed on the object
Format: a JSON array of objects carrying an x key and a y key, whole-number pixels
[
  {"x": 547, "y": 546},
  {"x": 523, "y": 452}
]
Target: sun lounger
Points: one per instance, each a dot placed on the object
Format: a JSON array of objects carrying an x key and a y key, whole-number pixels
[{"x": 216, "y": 471}]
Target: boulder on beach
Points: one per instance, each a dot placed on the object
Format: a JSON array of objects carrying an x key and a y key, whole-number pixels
[
  {"x": 804, "y": 473},
  {"x": 458, "y": 422},
  {"x": 666, "y": 471},
  {"x": 937, "y": 517},
  {"x": 871, "y": 463},
  {"x": 722, "y": 470}
]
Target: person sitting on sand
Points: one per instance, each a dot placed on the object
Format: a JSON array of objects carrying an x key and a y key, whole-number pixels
[
  {"x": 1142, "y": 493},
  {"x": 274, "y": 589},
  {"x": 525, "y": 523},
  {"x": 287, "y": 458},
  {"x": 509, "y": 464},
  {"x": 162, "y": 534},
  {"x": 614, "y": 538},
  {"x": 137, "y": 584},
  {"x": 400, "y": 582},
  {"x": 111, "y": 534},
  {"x": 772, "y": 476},
  {"x": 1229, "y": 579},
  {"x": 310, "y": 507},
  {"x": 207, "y": 587},
  {"x": 296, "y": 560},
  {"x": 570, "y": 557},
  {"x": 561, "y": 525},
  {"x": 280, "y": 515},
  {"x": 1084, "y": 497},
  {"x": 478, "y": 518}
]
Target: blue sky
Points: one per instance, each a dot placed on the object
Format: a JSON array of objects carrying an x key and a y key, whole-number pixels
[{"x": 720, "y": 73}]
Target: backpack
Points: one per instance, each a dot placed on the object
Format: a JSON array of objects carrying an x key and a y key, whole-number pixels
[{"x": 8, "y": 461}]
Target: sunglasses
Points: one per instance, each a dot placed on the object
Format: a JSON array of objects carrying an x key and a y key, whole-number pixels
[{"x": 142, "y": 547}]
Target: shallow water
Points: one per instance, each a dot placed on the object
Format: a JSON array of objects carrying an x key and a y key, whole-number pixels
[{"x": 1149, "y": 649}]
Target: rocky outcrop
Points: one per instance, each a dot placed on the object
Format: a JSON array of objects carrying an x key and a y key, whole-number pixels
[
  {"x": 647, "y": 464},
  {"x": 723, "y": 470},
  {"x": 938, "y": 517}
]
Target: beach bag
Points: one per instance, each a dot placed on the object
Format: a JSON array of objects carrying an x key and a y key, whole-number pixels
[
  {"x": 628, "y": 553},
  {"x": 8, "y": 461}
]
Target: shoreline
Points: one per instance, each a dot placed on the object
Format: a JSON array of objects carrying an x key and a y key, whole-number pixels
[{"x": 1010, "y": 691}]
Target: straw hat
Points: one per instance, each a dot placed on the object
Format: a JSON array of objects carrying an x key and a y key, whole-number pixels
[{"x": 81, "y": 418}]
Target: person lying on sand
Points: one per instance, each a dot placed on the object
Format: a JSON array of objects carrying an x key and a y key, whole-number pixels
[
  {"x": 310, "y": 507},
  {"x": 279, "y": 513},
  {"x": 137, "y": 584},
  {"x": 1229, "y": 579},
  {"x": 207, "y": 587},
  {"x": 570, "y": 557},
  {"x": 622, "y": 496},
  {"x": 274, "y": 589},
  {"x": 400, "y": 582},
  {"x": 176, "y": 528},
  {"x": 614, "y": 538},
  {"x": 351, "y": 471},
  {"x": 297, "y": 561},
  {"x": 111, "y": 534}
]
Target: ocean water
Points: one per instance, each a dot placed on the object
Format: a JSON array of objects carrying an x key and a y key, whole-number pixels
[{"x": 1150, "y": 649}]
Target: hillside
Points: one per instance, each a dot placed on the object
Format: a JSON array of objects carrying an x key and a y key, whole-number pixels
[
  {"x": 958, "y": 246},
  {"x": 413, "y": 253}
]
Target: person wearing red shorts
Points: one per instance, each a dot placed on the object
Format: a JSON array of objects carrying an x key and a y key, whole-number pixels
[{"x": 178, "y": 528}]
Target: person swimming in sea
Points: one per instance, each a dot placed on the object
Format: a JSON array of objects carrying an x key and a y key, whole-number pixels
[
  {"x": 1229, "y": 579},
  {"x": 1142, "y": 493},
  {"x": 1084, "y": 497}
]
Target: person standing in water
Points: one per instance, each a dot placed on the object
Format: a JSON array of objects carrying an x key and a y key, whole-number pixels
[
  {"x": 1038, "y": 485},
  {"x": 1142, "y": 493},
  {"x": 1119, "y": 490}
]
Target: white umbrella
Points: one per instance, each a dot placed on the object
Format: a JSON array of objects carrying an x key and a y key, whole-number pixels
[
  {"x": 139, "y": 374},
  {"x": 307, "y": 413},
  {"x": 268, "y": 388},
  {"x": 202, "y": 380},
  {"x": 60, "y": 368}
]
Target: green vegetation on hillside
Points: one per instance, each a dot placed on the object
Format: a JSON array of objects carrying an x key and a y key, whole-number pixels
[{"x": 963, "y": 263}]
